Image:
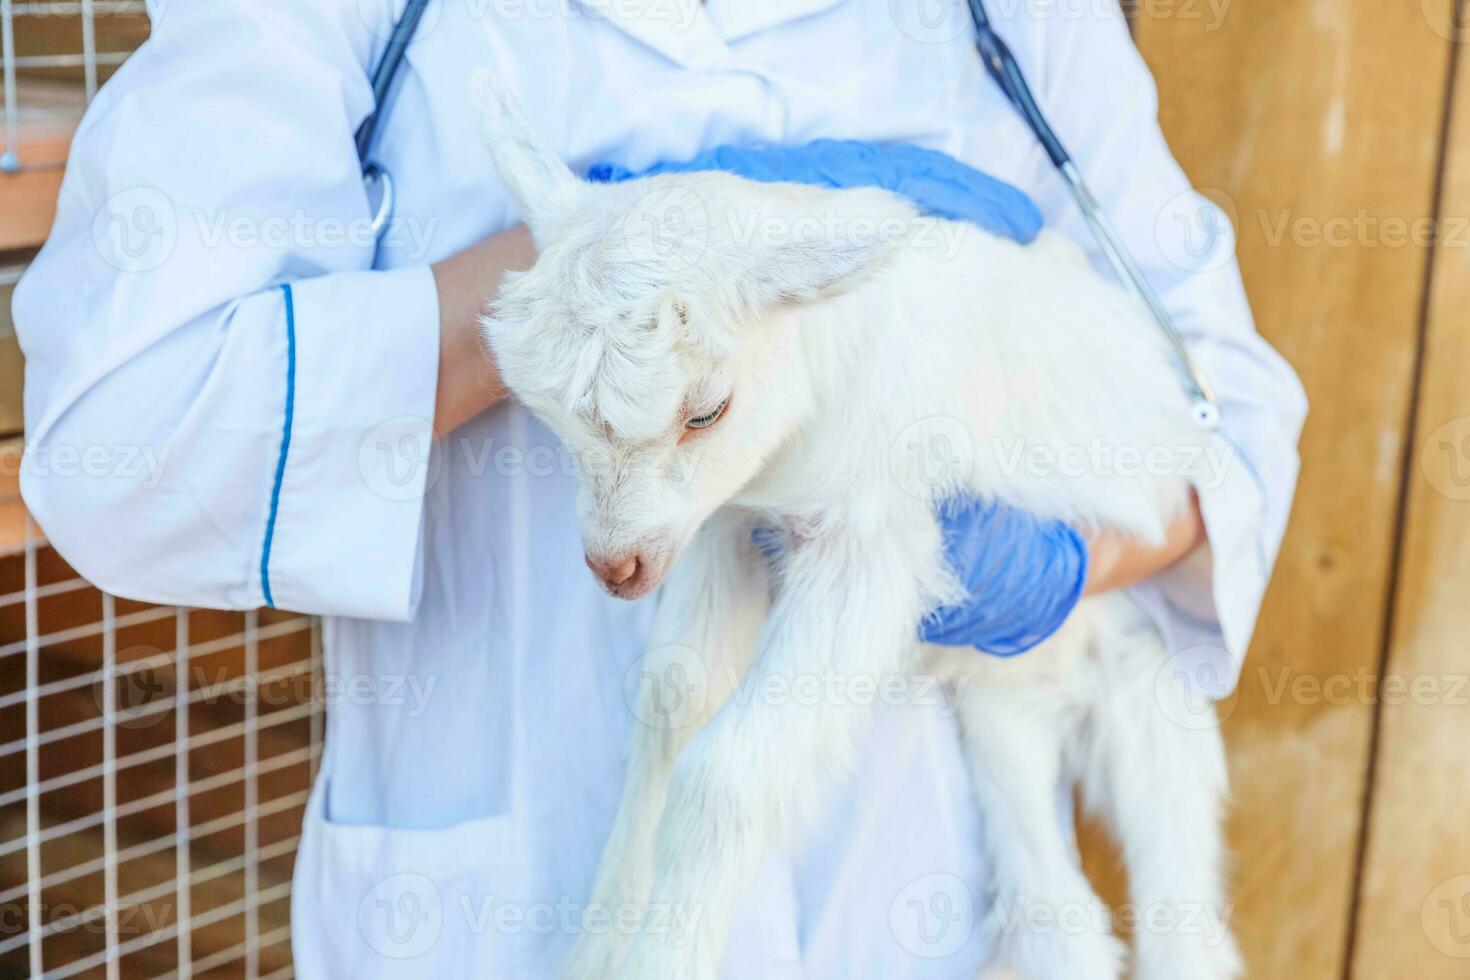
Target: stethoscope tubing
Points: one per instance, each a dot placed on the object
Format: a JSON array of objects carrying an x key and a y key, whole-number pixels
[
  {"x": 373, "y": 173},
  {"x": 1003, "y": 67}
]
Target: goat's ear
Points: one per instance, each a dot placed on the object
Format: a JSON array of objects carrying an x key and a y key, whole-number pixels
[
  {"x": 541, "y": 185},
  {"x": 798, "y": 271}
]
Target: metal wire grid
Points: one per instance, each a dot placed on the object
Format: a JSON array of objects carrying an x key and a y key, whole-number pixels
[
  {"x": 81, "y": 818},
  {"x": 55, "y": 923},
  {"x": 89, "y": 59}
]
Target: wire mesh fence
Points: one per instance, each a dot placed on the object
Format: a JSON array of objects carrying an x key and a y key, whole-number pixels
[
  {"x": 154, "y": 767},
  {"x": 154, "y": 761},
  {"x": 55, "y": 54}
]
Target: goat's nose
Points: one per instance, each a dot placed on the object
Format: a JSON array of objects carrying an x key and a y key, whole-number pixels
[{"x": 616, "y": 570}]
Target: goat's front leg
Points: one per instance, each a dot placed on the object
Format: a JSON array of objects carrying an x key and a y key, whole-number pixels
[
  {"x": 704, "y": 635},
  {"x": 846, "y": 608}
]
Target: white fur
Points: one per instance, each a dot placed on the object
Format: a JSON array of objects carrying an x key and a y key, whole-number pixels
[{"x": 854, "y": 360}]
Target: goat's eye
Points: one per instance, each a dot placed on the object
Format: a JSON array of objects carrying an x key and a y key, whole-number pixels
[{"x": 705, "y": 421}]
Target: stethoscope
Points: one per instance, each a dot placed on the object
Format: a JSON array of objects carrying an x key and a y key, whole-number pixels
[
  {"x": 377, "y": 178},
  {"x": 1006, "y": 71}
]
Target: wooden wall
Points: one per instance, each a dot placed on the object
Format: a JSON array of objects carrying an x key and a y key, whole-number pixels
[{"x": 1348, "y": 125}]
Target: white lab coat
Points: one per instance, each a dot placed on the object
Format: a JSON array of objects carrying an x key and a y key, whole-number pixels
[{"x": 454, "y": 830}]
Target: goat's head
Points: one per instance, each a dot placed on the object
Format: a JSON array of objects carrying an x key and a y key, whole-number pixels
[{"x": 653, "y": 336}]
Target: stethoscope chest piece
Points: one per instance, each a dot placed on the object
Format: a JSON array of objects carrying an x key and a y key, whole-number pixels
[
  {"x": 1206, "y": 413},
  {"x": 379, "y": 184}
]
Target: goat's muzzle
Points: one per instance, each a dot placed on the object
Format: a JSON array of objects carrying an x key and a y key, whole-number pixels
[{"x": 629, "y": 575}]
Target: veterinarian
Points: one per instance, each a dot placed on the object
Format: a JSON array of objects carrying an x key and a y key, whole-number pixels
[{"x": 334, "y": 441}]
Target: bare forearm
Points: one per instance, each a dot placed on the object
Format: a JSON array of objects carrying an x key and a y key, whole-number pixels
[
  {"x": 1116, "y": 562},
  {"x": 468, "y": 380}
]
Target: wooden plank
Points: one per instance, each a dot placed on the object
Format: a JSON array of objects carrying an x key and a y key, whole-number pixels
[
  {"x": 1414, "y": 917},
  {"x": 12, "y": 510},
  {"x": 12, "y": 371},
  {"x": 58, "y": 30},
  {"x": 28, "y": 199},
  {"x": 1305, "y": 112}
]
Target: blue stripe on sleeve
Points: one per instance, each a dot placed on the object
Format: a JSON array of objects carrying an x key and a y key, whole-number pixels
[{"x": 270, "y": 524}]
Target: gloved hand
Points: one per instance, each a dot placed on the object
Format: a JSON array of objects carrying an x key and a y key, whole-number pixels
[
  {"x": 939, "y": 185},
  {"x": 1023, "y": 575}
]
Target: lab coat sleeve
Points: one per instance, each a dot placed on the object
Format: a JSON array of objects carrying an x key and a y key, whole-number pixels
[
  {"x": 223, "y": 403},
  {"x": 1093, "y": 84}
]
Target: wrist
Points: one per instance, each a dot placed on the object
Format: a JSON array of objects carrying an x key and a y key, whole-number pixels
[
  {"x": 466, "y": 282},
  {"x": 1119, "y": 562}
]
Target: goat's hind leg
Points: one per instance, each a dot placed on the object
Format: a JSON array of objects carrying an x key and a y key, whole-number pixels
[
  {"x": 1042, "y": 917},
  {"x": 1153, "y": 768},
  {"x": 703, "y": 636}
]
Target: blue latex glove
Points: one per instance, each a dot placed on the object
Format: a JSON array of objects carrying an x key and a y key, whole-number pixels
[
  {"x": 939, "y": 185},
  {"x": 1023, "y": 575}
]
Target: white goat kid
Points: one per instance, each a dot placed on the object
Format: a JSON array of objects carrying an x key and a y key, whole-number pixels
[{"x": 720, "y": 355}]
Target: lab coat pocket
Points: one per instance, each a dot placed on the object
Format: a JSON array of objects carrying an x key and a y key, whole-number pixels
[{"x": 374, "y": 902}]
